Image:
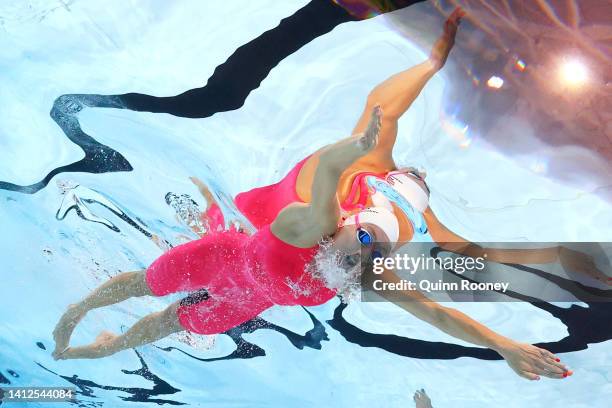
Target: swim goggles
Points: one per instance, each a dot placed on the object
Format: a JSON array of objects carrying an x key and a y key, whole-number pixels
[{"x": 365, "y": 238}]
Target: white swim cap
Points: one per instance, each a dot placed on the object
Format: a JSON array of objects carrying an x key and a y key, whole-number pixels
[
  {"x": 411, "y": 191},
  {"x": 379, "y": 216}
]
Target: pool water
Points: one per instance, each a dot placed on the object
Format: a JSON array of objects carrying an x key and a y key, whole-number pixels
[{"x": 64, "y": 235}]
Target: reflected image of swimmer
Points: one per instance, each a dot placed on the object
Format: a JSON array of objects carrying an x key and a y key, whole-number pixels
[
  {"x": 421, "y": 399},
  {"x": 326, "y": 197}
]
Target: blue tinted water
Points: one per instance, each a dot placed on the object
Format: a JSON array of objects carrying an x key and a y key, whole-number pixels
[{"x": 319, "y": 355}]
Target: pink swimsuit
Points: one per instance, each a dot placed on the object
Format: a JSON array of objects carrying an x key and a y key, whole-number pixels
[
  {"x": 261, "y": 205},
  {"x": 243, "y": 274}
]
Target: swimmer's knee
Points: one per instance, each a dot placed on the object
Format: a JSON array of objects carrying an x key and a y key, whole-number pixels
[
  {"x": 170, "y": 318},
  {"x": 141, "y": 287}
]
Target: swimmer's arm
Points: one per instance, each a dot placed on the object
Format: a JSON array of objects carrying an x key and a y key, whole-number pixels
[
  {"x": 452, "y": 242},
  {"x": 203, "y": 189},
  {"x": 396, "y": 94},
  {"x": 526, "y": 360},
  {"x": 305, "y": 224},
  {"x": 450, "y": 321}
]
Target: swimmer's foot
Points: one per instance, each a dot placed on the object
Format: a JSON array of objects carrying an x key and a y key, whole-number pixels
[
  {"x": 99, "y": 348},
  {"x": 444, "y": 44},
  {"x": 421, "y": 399},
  {"x": 104, "y": 339},
  {"x": 64, "y": 328}
]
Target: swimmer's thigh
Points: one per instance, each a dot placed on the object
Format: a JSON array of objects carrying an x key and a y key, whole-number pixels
[
  {"x": 186, "y": 267},
  {"x": 221, "y": 311}
]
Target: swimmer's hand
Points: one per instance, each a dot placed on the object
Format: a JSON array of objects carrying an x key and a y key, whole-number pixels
[
  {"x": 196, "y": 181},
  {"x": 531, "y": 362},
  {"x": 203, "y": 188},
  {"x": 576, "y": 261},
  {"x": 368, "y": 139},
  {"x": 442, "y": 47}
]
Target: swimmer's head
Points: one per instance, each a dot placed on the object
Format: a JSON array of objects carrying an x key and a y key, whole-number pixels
[{"x": 371, "y": 232}]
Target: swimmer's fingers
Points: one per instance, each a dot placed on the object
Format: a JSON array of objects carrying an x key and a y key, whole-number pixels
[
  {"x": 558, "y": 365},
  {"x": 552, "y": 359},
  {"x": 530, "y": 362},
  {"x": 457, "y": 14},
  {"x": 548, "y": 365},
  {"x": 543, "y": 363},
  {"x": 555, "y": 369},
  {"x": 195, "y": 180},
  {"x": 529, "y": 375},
  {"x": 452, "y": 22},
  {"x": 549, "y": 370}
]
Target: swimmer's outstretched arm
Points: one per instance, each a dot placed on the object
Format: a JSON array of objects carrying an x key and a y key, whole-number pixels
[
  {"x": 526, "y": 360},
  {"x": 398, "y": 92},
  {"x": 574, "y": 262}
]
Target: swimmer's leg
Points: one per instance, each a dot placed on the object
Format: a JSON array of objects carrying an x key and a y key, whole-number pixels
[
  {"x": 115, "y": 290},
  {"x": 398, "y": 92},
  {"x": 150, "y": 328}
]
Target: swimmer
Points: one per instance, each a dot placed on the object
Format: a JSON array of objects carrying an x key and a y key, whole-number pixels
[
  {"x": 245, "y": 274},
  {"x": 248, "y": 274}
]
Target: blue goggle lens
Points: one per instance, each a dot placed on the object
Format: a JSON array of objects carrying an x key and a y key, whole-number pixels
[{"x": 364, "y": 237}]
